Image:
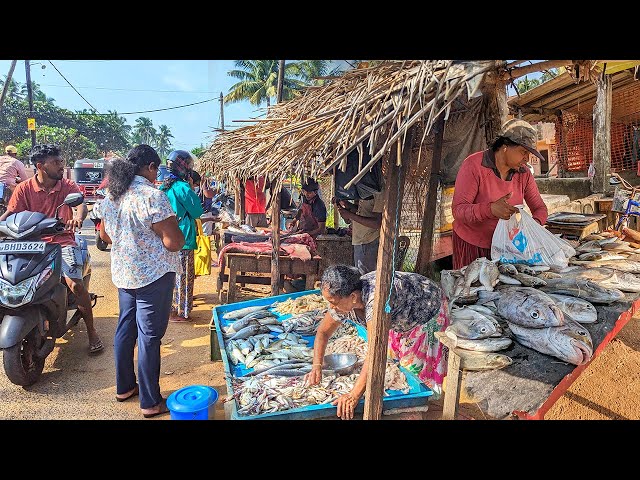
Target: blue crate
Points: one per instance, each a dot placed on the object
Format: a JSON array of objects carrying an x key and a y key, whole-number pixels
[{"x": 418, "y": 392}]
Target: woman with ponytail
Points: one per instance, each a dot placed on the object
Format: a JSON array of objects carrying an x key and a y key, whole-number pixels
[
  {"x": 137, "y": 219},
  {"x": 186, "y": 204}
]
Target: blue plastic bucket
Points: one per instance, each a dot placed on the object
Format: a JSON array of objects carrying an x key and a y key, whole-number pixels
[{"x": 192, "y": 403}]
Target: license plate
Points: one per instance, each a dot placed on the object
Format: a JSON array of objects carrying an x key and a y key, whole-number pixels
[{"x": 21, "y": 247}]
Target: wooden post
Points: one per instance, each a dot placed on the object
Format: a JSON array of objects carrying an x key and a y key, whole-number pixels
[
  {"x": 377, "y": 348},
  {"x": 431, "y": 207},
  {"x": 602, "y": 134},
  {"x": 454, "y": 382},
  {"x": 275, "y": 240},
  {"x": 241, "y": 208},
  {"x": 336, "y": 215},
  {"x": 562, "y": 152}
]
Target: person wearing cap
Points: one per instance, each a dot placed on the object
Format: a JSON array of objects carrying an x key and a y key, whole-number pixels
[
  {"x": 10, "y": 169},
  {"x": 312, "y": 215},
  {"x": 488, "y": 186},
  {"x": 178, "y": 186}
]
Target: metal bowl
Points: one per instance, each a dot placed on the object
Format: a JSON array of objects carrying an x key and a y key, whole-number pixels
[{"x": 340, "y": 363}]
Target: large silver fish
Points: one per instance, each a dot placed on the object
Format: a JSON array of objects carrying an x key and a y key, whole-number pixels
[
  {"x": 610, "y": 278},
  {"x": 471, "y": 324},
  {"x": 583, "y": 288},
  {"x": 626, "y": 265},
  {"x": 525, "y": 306},
  {"x": 482, "y": 345},
  {"x": 576, "y": 309},
  {"x": 570, "y": 343},
  {"x": 235, "y": 314}
]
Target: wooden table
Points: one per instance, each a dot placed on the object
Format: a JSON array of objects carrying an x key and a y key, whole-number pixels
[{"x": 249, "y": 262}]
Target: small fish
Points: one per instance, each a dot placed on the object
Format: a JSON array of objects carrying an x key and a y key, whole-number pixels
[
  {"x": 529, "y": 280},
  {"x": 476, "y": 361},
  {"x": 507, "y": 269},
  {"x": 482, "y": 345},
  {"x": 526, "y": 269},
  {"x": 507, "y": 280},
  {"x": 471, "y": 324}
]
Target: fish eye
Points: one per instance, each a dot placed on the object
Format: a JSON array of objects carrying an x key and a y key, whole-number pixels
[
  {"x": 534, "y": 314},
  {"x": 483, "y": 329},
  {"x": 581, "y": 332}
]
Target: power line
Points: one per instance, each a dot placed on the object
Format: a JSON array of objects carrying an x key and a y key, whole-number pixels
[
  {"x": 130, "y": 89},
  {"x": 147, "y": 111},
  {"x": 74, "y": 88}
]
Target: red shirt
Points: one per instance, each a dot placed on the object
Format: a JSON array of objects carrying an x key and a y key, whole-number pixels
[
  {"x": 477, "y": 185},
  {"x": 29, "y": 195},
  {"x": 255, "y": 200}
]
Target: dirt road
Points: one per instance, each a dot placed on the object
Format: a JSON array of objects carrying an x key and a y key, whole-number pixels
[{"x": 75, "y": 385}]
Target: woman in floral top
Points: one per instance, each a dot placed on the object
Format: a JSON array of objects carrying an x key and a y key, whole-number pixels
[
  {"x": 137, "y": 219},
  {"x": 418, "y": 309}
]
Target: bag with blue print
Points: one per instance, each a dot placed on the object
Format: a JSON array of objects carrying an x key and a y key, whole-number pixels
[{"x": 523, "y": 240}]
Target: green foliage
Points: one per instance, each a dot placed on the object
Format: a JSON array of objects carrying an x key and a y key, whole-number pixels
[
  {"x": 259, "y": 79},
  {"x": 525, "y": 84},
  {"x": 72, "y": 143},
  {"x": 199, "y": 151}
]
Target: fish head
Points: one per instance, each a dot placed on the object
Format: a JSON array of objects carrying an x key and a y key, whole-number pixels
[
  {"x": 540, "y": 311},
  {"x": 574, "y": 343}
]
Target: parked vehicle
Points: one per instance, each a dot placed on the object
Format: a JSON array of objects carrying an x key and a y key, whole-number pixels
[
  {"x": 88, "y": 175},
  {"x": 36, "y": 307},
  {"x": 93, "y": 216}
]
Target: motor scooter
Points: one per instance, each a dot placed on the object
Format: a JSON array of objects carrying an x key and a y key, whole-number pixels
[
  {"x": 36, "y": 307},
  {"x": 95, "y": 218}
]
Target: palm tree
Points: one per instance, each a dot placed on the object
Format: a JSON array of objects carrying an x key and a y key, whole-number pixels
[
  {"x": 36, "y": 92},
  {"x": 259, "y": 82},
  {"x": 143, "y": 131},
  {"x": 163, "y": 140},
  {"x": 14, "y": 90},
  {"x": 309, "y": 70}
]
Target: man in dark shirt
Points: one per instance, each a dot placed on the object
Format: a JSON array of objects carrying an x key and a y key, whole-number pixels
[{"x": 312, "y": 216}]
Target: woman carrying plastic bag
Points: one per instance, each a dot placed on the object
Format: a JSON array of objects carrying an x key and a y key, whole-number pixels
[
  {"x": 488, "y": 186},
  {"x": 524, "y": 240}
]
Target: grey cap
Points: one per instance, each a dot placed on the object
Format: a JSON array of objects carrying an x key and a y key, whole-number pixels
[{"x": 523, "y": 134}]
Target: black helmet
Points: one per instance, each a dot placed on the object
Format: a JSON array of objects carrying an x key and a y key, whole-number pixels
[{"x": 183, "y": 154}]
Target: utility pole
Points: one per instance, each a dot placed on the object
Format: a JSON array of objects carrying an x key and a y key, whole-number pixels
[
  {"x": 7, "y": 82},
  {"x": 280, "y": 80},
  {"x": 27, "y": 68},
  {"x": 221, "y": 112}
]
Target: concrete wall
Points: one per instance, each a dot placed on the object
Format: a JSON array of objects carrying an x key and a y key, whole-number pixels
[{"x": 573, "y": 187}]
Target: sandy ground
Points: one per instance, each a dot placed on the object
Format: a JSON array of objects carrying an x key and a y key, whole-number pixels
[{"x": 77, "y": 386}]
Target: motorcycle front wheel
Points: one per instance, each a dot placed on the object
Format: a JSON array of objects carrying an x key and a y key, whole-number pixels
[
  {"x": 21, "y": 364},
  {"x": 101, "y": 244}
]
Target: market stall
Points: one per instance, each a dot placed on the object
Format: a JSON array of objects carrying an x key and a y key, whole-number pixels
[{"x": 419, "y": 118}]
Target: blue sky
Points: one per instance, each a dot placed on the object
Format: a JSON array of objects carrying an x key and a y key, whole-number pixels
[{"x": 139, "y": 85}]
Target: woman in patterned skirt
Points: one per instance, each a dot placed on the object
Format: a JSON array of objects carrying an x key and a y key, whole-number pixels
[
  {"x": 185, "y": 202},
  {"x": 418, "y": 309}
]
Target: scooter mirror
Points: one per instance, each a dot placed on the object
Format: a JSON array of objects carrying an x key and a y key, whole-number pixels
[{"x": 73, "y": 199}]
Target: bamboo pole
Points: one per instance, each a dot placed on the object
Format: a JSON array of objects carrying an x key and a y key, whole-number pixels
[
  {"x": 377, "y": 348},
  {"x": 275, "y": 239}
]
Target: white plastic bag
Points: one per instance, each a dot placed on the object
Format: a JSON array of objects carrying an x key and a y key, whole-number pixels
[{"x": 526, "y": 241}]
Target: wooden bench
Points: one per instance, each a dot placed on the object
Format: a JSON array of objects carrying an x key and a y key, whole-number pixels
[{"x": 251, "y": 263}]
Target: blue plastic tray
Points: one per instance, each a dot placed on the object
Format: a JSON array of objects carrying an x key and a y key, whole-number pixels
[{"x": 418, "y": 392}]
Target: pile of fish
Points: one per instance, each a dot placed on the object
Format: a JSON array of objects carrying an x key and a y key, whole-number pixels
[
  {"x": 302, "y": 304},
  {"x": 304, "y": 323},
  {"x": 537, "y": 307},
  {"x": 280, "y": 357}
]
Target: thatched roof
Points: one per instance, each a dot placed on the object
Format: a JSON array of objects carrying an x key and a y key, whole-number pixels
[{"x": 311, "y": 134}]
